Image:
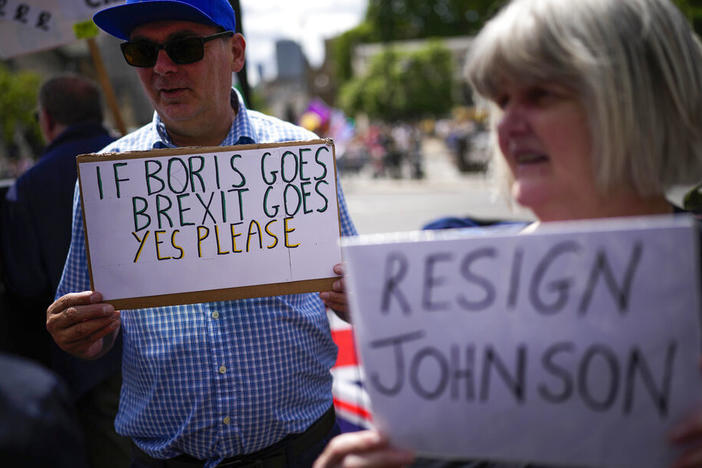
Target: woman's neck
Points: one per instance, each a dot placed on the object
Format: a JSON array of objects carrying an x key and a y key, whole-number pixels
[{"x": 607, "y": 206}]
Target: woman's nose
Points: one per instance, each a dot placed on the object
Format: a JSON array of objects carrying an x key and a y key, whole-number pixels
[{"x": 513, "y": 119}]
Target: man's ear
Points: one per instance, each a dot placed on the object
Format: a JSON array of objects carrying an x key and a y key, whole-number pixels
[
  {"x": 238, "y": 52},
  {"x": 46, "y": 125}
]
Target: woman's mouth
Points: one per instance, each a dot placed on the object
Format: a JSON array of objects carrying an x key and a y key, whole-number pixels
[{"x": 530, "y": 158}]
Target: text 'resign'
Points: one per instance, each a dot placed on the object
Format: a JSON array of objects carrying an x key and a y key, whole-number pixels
[{"x": 577, "y": 344}]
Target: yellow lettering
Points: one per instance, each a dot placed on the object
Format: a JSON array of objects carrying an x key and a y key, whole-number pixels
[
  {"x": 201, "y": 238},
  {"x": 286, "y": 231},
  {"x": 141, "y": 244},
  {"x": 173, "y": 243},
  {"x": 234, "y": 236},
  {"x": 275, "y": 238},
  {"x": 159, "y": 242},
  {"x": 219, "y": 249},
  {"x": 252, "y": 232}
]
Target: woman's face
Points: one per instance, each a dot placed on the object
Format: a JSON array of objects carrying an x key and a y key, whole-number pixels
[{"x": 545, "y": 139}]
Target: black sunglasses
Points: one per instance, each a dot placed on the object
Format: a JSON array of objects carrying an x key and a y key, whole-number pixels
[{"x": 144, "y": 53}]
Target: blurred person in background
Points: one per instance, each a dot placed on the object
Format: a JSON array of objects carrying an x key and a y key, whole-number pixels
[
  {"x": 597, "y": 111},
  {"x": 35, "y": 236},
  {"x": 38, "y": 425}
]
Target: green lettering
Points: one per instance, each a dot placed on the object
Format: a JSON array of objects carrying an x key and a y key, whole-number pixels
[
  {"x": 163, "y": 211},
  {"x": 265, "y": 204},
  {"x": 320, "y": 163},
  {"x": 173, "y": 176},
  {"x": 152, "y": 175},
  {"x": 182, "y": 210},
  {"x": 241, "y": 176},
  {"x": 140, "y": 212},
  {"x": 115, "y": 168},
  {"x": 303, "y": 163},
  {"x": 326, "y": 201},
  {"x": 285, "y": 199},
  {"x": 196, "y": 172}
]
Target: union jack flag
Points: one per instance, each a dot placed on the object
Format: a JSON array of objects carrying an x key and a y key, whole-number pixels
[{"x": 350, "y": 399}]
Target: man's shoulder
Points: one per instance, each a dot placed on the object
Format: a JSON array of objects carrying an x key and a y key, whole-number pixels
[
  {"x": 271, "y": 129},
  {"x": 45, "y": 169},
  {"x": 136, "y": 140}
]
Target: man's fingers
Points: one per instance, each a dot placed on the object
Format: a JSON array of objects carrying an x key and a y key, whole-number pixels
[
  {"x": 78, "y": 320},
  {"x": 365, "y": 449},
  {"x": 691, "y": 458},
  {"x": 339, "y": 285},
  {"x": 347, "y": 444},
  {"x": 688, "y": 430},
  {"x": 91, "y": 330},
  {"x": 74, "y": 299},
  {"x": 90, "y": 345},
  {"x": 334, "y": 298}
]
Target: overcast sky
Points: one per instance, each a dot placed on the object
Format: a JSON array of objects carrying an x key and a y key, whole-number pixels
[{"x": 307, "y": 22}]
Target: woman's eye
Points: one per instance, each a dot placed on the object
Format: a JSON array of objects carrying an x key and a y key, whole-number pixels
[
  {"x": 538, "y": 94},
  {"x": 502, "y": 101}
]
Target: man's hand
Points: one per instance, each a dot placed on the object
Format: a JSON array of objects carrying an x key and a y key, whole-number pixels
[
  {"x": 336, "y": 298},
  {"x": 79, "y": 322},
  {"x": 364, "y": 449},
  {"x": 688, "y": 436}
]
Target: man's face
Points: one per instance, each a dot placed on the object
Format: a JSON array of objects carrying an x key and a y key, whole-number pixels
[{"x": 191, "y": 99}]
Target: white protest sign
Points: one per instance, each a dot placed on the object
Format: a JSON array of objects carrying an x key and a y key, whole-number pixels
[
  {"x": 196, "y": 224},
  {"x": 32, "y": 25},
  {"x": 577, "y": 344}
]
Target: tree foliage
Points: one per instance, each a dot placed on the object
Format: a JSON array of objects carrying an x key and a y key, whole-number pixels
[
  {"x": 693, "y": 10},
  {"x": 413, "y": 19},
  {"x": 403, "y": 85},
  {"x": 392, "y": 20},
  {"x": 18, "y": 102},
  {"x": 395, "y": 20}
]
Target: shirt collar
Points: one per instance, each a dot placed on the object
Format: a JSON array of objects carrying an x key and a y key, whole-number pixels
[{"x": 240, "y": 133}]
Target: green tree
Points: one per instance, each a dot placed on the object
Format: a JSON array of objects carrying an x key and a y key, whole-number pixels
[
  {"x": 18, "y": 102},
  {"x": 403, "y": 86},
  {"x": 693, "y": 11},
  {"x": 394, "y": 20}
]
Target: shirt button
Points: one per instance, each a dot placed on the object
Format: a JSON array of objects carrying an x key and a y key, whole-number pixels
[
  {"x": 227, "y": 420},
  {"x": 215, "y": 315},
  {"x": 222, "y": 369}
]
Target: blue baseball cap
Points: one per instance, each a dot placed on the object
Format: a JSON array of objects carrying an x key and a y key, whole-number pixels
[{"x": 120, "y": 20}]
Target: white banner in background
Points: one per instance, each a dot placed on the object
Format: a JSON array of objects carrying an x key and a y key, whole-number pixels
[{"x": 32, "y": 25}]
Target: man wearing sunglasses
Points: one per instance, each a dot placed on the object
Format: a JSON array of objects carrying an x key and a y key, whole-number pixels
[{"x": 232, "y": 383}]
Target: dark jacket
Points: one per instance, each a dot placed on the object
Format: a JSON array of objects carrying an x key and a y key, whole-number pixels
[{"x": 35, "y": 234}]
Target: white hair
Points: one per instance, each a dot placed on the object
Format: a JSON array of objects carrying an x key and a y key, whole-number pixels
[{"x": 636, "y": 66}]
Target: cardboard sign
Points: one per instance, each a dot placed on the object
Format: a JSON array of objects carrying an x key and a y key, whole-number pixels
[
  {"x": 32, "y": 25},
  {"x": 199, "y": 224},
  {"x": 577, "y": 344}
]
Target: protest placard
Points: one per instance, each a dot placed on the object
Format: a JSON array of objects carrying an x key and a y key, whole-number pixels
[
  {"x": 198, "y": 224},
  {"x": 32, "y": 25},
  {"x": 577, "y": 344}
]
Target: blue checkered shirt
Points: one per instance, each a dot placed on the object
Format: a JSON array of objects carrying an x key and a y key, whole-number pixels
[{"x": 218, "y": 379}]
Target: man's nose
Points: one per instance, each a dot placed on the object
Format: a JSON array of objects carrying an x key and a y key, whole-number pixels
[{"x": 164, "y": 64}]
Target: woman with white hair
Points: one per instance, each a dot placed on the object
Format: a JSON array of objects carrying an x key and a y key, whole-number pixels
[{"x": 596, "y": 110}]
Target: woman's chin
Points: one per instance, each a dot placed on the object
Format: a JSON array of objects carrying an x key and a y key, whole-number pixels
[{"x": 532, "y": 196}]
